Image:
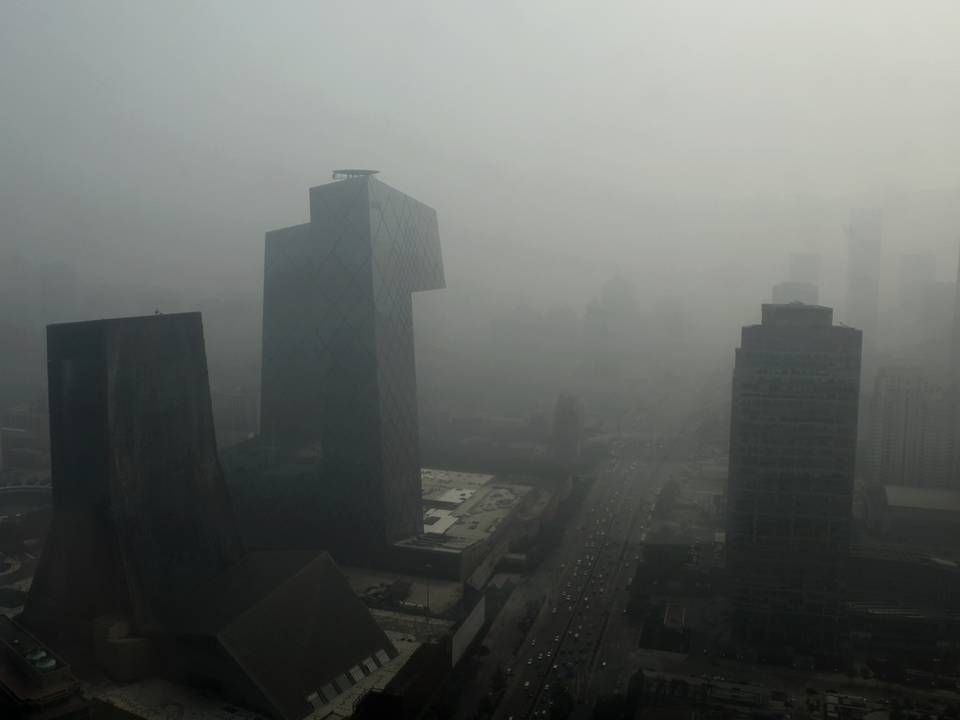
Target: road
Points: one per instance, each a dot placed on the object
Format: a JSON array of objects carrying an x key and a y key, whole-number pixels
[{"x": 577, "y": 635}]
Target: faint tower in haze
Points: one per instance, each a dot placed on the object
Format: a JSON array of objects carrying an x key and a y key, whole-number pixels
[
  {"x": 803, "y": 281},
  {"x": 864, "y": 253},
  {"x": 955, "y": 345},
  {"x": 799, "y": 292},
  {"x": 911, "y": 439},
  {"x": 567, "y": 432},
  {"x": 804, "y": 268}
]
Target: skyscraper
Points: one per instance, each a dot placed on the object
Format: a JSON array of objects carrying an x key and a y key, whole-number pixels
[
  {"x": 864, "y": 235},
  {"x": 955, "y": 345},
  {"x": 795, "y": 291},
  {"x": 793, "y": 444},
  {"x": 804, "y": 267},
  {"x": 143, "y": 560},
  {"x": 912, "y": 430},
  {"x": 140, "y": 507},
  {"x": 338, "y": 375}
]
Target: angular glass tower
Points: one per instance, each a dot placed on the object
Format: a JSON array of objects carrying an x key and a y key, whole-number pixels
[{"x": 338, "y": 374}]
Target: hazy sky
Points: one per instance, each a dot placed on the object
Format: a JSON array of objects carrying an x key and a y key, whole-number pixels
[{"x": 681, "y": 142}]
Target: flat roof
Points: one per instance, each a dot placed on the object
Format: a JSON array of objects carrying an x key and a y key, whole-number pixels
[
  {"x": 344, "y": 705},
  {"x": 151, "y": 700},
  {"x": 914, "y": 498},
  {"x": 377, "y": 587},
  {"x": 486, "y": 503}
]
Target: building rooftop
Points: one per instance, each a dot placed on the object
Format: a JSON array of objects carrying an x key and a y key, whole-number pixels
[
  {"x": 934, "y": 499},
  {"x": 796, "y": 313},
  {"x": 30, "y": 672},
  {"x": 463, "y": 509},
  {"x": 343, "y": 706},
  {"x": 407, "y": 593},
  {"x": 290, "y": 626},
  {"x": 152, "y": 699}
]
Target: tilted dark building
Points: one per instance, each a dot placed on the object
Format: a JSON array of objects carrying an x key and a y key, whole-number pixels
[
  {"x": 338, "y": 376},
  {"x": 139, "y": 502},
  {"x": 793, "y": 442},
  {"x": 143, "y": 563}
]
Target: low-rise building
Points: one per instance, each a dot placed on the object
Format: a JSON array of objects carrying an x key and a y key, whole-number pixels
[
  {"x": 34, "y": 680},
  {"x": 467, "y": 525}
]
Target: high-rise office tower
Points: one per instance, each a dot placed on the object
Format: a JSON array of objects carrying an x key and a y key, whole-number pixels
[
  {"x": 864, "y": 235},
  {"x": 143, "y": 560},
  {"x": 793, "y": 441},
  {"x": 912, "y": 430},
  {"x": 954, "y": 380},
  {"x": 955, "y": 345},
  {"x": 804, "y": 267},
  {"x": 915, "y": 297},
  {"x": 917, "y": 271},
  {"x": 338, "y": 376},
  {"x": 795, "y": 291},
  {"x": 140, "y": 507}
]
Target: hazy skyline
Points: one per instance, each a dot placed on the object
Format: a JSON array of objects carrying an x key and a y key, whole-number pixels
[{"x": 690, "y": 145}]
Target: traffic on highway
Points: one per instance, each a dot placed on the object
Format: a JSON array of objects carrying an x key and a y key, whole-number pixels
[{"x": 552, "y": 670}]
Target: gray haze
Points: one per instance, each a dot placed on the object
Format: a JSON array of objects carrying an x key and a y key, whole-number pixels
[{"x": 688, "y": 146}]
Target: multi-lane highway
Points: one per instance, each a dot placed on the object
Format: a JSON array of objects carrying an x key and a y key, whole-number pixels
[{"x": 585, "y": 594}]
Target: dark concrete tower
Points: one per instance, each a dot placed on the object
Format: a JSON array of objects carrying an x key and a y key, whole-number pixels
[
  {"x": 140, "y": 507},
  {"x": 339, "y": 377},
  {"x": 793, "y": 440},
  {"x": 143, "y": 563}
]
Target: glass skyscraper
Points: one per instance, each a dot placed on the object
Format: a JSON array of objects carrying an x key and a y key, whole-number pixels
[{"x": 338, "y": 373}]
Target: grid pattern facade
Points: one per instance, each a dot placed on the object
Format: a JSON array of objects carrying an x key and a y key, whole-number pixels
[
  {"x": 912, "y": 432},
  {"x": 339, "y": 374},
  {"x": 792, "y": 454}
]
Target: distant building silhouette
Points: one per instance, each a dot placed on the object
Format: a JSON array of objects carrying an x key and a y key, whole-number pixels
[
  {"x": 795, "y": 291},
  {"x": 338, "y": 376},
  {"x": 955, "y": 345},
  {"x": 792, "y": 452},
  {"x": 804, "y": 268},
  {"x": 567, "y": 430},
  {"x": 865, "y": 251},
  {"x": 912, "y": 430}
]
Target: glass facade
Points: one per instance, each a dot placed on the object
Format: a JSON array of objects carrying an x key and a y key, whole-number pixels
[
  {"x": 793, "y": 442},
  {"x": 338, "y": 374}
]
